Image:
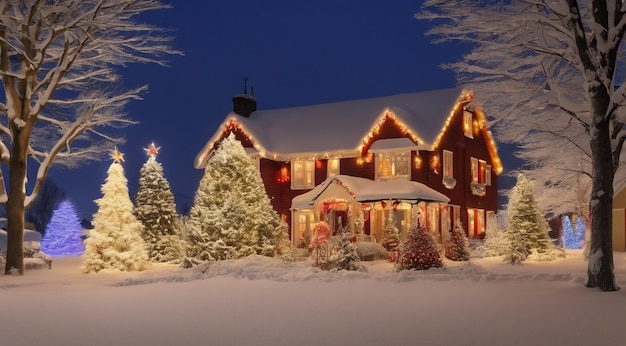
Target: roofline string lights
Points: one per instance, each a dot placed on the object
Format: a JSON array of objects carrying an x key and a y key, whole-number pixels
[
  {"x": 368, "y": 139},
  {"x": 491, "y": 147},
  {"x": 467, "y": 97}
]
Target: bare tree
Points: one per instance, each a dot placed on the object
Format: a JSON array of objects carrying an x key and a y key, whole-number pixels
[
  {"x": 548, "y": 72},
  {"x": 41, "y": 210},
  {"x": 58, "y": 63}
]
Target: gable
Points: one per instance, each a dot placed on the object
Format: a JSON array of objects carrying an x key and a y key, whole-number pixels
[{"x": 343, "y": 129}]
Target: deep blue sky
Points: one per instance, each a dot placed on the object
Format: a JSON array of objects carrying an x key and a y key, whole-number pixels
[{"x": 293, "y": 52}]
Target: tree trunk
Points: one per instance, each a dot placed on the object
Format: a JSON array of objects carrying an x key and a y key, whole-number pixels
[
  {"x": 15, "y": 203},
  {"x": 600, "y": 271}
]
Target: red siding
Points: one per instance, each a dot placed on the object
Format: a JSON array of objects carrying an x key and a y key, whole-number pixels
[{"x": 279, "y": 189}]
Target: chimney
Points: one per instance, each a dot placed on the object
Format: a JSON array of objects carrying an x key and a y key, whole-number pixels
[{"x": 244, "y": 104}]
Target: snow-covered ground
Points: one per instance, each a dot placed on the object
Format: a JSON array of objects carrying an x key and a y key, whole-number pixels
[{"x": 261, "y": 301}]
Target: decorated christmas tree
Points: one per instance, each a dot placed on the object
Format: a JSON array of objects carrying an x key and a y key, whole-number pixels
[
  {"x": 115, "y": 241},
  {"x": 63, "y": 235},
  {"x": 232, "y": 216},
  {"x": 526, "y": 227},
  {"x": 344, "y": 254},
  {"x": 457, "y": 247},
  {"x": 156, "y": 210},
  {"x": 580, "y": 232},
  {"x": 390, "y": 238},
  {"x": 569, "y": 234},
  {"x": 496, "y": 241},
  {"x": 418, "y": 251}
]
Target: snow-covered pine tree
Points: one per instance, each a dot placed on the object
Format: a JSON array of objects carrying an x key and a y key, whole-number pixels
[
  {"x": 115, "y": 241},
  {"x": 526, "y": 227},
  {"x": 344, "y": 254},
  {"x": 63, "y": 235},
  {"x": 156, "y": 210},
  {"x": 284, "y": 247},
  {"x": 232, "y": 215},
  {"x": 496, "y": 241},
  {"x": 457, "y": 247},
  {"x": 390, "y": 238},
  {"x": 418, "y": 251}
]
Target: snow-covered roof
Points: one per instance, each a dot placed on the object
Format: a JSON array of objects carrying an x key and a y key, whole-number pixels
[
  {"x": 365, "y": 190},
  {"x": 338, "y": 129}
]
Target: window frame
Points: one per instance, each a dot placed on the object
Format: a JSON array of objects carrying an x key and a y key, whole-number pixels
[
  {"x": 308, "y": 168},
  {"x": 448, "y": 164},
  {"x": 331, "y": 172},
  {"x": 394, "y": 155},
  {"x": 468, "y": 124}
]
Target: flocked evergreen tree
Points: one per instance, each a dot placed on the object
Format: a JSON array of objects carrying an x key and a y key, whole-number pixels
[
  {"x": 526, "y": 228},
  {"x": 418, "y": 251},
  {"x": 457, "y": 247},
  {"x": 344, "y": 254},
  {"x": 156, "y": 210},
  {"x": 115, "y": 241},
  {"x": 63, "y": 235},
  {"x": 232, "y": 216},
  {"x": 496, "y": 241},
  {"x": 390, "y": 238}
]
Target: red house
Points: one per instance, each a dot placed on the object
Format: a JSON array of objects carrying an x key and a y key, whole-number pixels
[{"x": 425, "y": 156}]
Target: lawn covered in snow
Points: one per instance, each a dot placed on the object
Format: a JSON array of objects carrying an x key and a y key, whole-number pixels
[{"x": 262, "y": 301}]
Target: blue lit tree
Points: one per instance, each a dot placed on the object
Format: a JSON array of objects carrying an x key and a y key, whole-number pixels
[
  {"x": 580, "y": 232},
  {"x": 63, "y": 235},
  {"x": 569, "y": 235}
]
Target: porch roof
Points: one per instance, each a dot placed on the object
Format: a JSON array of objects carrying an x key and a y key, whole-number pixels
[{"x": 365, "y": 190}]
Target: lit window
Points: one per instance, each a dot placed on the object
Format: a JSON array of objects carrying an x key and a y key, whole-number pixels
[
  {"x": 448, "y": 164},
  {"x": 481, "y": 171},
  {"x": 475, "y": 222},
  {"x": 467, "y": 124},
  {"x": 333, "y": 167},
  {"x": 302, "y": 174},
  {"x": 302, "y": 227},
  {"x": 393, "y": 165},
  {"x": 474, "y": 166}
]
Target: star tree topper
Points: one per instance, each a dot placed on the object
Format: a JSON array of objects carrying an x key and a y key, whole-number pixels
[
  {"x": 152, "y": 150},
  {"x": 117, "y": 156}
]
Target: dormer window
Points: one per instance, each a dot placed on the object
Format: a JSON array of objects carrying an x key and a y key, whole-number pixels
[
  {"x": 302, "y": 174},
  {"x": 393, "y": 158},
  {"x": 393, "y": 165},
  {"x": 468, "y": 127}
]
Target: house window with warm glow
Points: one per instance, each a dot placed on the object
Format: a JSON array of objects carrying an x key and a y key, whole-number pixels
[
  {"x": 481, "y": 171},
  {"x": 448, "y": 165},
  {"x": 468, "y": 127},
  {"x": 302, "y": 174},
  {"x": 333, "y": 167},
  {"x": 475, "y": 222},
  {"x": 302, "y": 232},
  {"x": 432, "y": 221},
  {"x": 474, "y": 167},
  {"x": 455, "y": 214},
  {"x": 393, "y": 165}
]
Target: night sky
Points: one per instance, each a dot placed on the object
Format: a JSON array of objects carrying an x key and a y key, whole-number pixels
[{"x": 294, "y": 53}]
